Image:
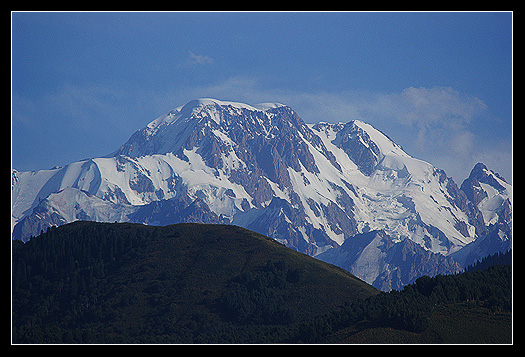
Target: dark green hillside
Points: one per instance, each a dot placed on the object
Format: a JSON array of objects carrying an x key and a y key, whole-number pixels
[
  {"x": 472, "y": 307},
  {"x": 89, "y": 282}
]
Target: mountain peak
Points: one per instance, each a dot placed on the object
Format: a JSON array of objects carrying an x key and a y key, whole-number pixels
[
  {"x": 202, "y": 102},
  {"x": 385, "y": 144},
  {"x": 488, "y": 191},
  {"x": 188, "y": 125},
  {"x": 195, "y": 106},
  {"x": 368, "y": 147},
  {"x": 481, "y": 172},
  {"x": 210, "y": 106},
  {"x": 207, "y": 102}
]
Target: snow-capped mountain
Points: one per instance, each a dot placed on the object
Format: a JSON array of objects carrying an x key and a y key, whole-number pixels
[
  {"x": 311, "y": 187},
  {"x": 492, "y": 195}
]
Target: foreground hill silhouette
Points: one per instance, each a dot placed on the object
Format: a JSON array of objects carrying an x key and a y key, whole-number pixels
[{"x": 88, "y": 282}]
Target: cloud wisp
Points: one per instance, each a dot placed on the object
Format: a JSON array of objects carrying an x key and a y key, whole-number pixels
[
  {"x": 430, "y": 111},
  {"x": 195, "y": 59}
]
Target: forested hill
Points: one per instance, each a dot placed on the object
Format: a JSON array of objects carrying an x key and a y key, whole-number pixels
[{"x": 89, "y": 282}]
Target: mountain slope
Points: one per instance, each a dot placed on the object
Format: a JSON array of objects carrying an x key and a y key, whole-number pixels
[
  {"x": 387, "y": 265},
  {"x": 311, "y": 187},
  {"x": 103, "y": 282}
]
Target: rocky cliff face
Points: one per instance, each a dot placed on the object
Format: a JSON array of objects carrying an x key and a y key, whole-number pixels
[{"x": 356, "y": 143}]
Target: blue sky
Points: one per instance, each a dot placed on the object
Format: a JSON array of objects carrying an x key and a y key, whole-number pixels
[{"x": 439, "y": 84}]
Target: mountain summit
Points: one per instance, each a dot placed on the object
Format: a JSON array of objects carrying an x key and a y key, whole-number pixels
[
  {"x": 313, "y": 187},
  {"x": 179, "y": 127}
]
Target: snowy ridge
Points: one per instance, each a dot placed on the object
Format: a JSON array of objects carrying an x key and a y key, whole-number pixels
[
  {"x": 401, "y": 192},
  {"x": 130, "y": 181},
  {"x": 312, "y": 187}
]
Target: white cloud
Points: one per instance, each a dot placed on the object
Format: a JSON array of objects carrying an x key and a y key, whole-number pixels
[
  {"x": 434, "y": 124},
  {"x": 462, "y": 143},
  {"x": 431, "y": 107},
  {"x": 199, "y": 59}
]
